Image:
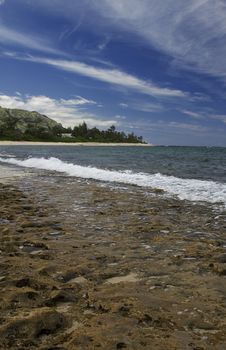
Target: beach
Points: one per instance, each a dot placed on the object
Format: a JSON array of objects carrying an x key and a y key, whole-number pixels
[
  {"x": 88, "y": 144},
  {"x": 91, "y": 266}
]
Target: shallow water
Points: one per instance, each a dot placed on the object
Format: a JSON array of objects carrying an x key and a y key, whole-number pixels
[{"x": 192, "y": 173}]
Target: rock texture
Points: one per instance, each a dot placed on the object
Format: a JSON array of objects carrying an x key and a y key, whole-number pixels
[{"x": 84, "y": 266}]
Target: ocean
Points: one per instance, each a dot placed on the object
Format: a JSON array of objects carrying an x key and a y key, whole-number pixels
[{"x": 188, "y": 173}]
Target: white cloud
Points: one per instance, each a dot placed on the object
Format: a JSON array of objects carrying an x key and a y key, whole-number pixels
[
  {"x": 104, "y": 44},
  {"x": 205, "y": 115},
  {"x": 148, "y": 107},
  {"x": 143, "y": 106},
  {"x": 189, "y": 127},
  {"x": 173, "y": 127},
  {"x": 192, "y": 114},
  {"x": 220, "y": 117},
  {"x": 2, "y": 2},
  {"x": 193, "y": 32},
  {"x": 122, "y": 117},
  {"x": 68, "y": 112},
  {"x": 111, "y": 76},
  {"x": 11, "y": 36},
  {"x": 123, "y": 105}
]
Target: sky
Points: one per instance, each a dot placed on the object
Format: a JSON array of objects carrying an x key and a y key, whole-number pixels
[{"x": 155, "y": 68}]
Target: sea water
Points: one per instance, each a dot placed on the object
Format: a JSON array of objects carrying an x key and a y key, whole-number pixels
[{"x": 191, "y": 173}]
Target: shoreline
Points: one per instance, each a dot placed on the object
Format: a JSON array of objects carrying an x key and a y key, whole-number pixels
[
  {"x": 88, "y": 144},
  {"x": 108, "y": 268}
]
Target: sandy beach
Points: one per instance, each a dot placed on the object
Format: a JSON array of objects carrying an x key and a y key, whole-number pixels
[
  {"x": 29, "y": 143},
  {"x": 107, "y": 268}
]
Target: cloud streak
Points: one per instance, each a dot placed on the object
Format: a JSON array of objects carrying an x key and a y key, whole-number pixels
[
  {"x": 192, "y": 32},
  {"x": 10, "y": 36},
  {"x": 111, "y": 76},
  {"x": 204, "y": 115},
  {"x": 68, "y": 112}
]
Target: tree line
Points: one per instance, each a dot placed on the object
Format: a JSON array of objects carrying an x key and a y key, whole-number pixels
[
  {"x": 83, "y": 133},
  {"x": 36, "y": 131}
]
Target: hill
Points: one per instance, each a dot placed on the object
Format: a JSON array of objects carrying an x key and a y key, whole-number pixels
[
  {"x": 22, "y": 125},
  {"x": 19, "y": 124}
]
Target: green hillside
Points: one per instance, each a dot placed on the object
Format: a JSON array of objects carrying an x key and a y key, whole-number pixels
[
  {"x": 21, "y": 125},
  {"x": 18, "y": 124}
]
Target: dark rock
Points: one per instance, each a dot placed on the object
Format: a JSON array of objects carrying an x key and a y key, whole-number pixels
[
  {"x": 121, "y": 345},
  {"x": 221, "y": 259},
  {"x": 23, "y": 282},
  {"x": 62, "y": 296}
]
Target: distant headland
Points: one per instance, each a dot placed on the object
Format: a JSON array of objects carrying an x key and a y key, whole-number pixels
[{"x": 25, "y": 126}]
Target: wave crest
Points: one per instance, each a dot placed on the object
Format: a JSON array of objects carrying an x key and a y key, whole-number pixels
[{"x": 189, "y": 189}]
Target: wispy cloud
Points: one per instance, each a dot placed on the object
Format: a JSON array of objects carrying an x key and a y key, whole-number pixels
[
  {"x": 123, "y": 105},
  {"x": 188, "y": 127},
  {"x": 11, "y": 37},
  {"x": 193, "y": 32},
  {"x": 173, "y": 127},
  {"x": 143, "y": 106},
  {"x": 192, "y": 114},
  {"x": 220, "y": 117},
  {"x": 205, "y": 115},
  {"x": 121, "y": 117},
  {"x": 2, "y": 2},
  {"x": 149, "y": 107},
  {"x": 104, "y": 43},
  {"x": 111, "y": 76},
  {"x": 68, "y": 112}
]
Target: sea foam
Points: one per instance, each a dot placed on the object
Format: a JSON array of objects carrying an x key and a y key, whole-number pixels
[{"x": 189, "y": 189}]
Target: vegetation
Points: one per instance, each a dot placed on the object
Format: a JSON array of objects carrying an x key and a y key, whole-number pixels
[
  {"x": 83, "y": 133},
  {"x": 20, "y": 125}
]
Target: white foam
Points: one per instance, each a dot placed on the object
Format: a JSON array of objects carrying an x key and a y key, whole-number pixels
[
  {"x": 7, "y": 155},
  {"x": 190, "y": 189}
]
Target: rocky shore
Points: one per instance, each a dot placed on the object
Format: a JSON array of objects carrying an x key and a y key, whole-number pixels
[{"x": 87, "y": 266}]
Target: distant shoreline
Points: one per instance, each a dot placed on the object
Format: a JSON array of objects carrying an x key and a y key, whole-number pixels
[{"x": 32, "y": 143}]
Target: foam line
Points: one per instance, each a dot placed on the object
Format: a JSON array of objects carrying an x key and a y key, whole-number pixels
[{"x": 190, "y": 189}]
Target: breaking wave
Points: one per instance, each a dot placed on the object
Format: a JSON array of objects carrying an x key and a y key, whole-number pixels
[{"x": 189, "y": 189}]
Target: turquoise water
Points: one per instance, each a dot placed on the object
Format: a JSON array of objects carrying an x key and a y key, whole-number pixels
[{"x": 193, "y": 173}]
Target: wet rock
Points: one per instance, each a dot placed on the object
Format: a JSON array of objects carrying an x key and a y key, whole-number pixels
[
  {"x": 131, "y": 278},
  {"x": 146, "y": 320},
  {"x": 54, "y": 348},
  {"x": 145, "y": 249},
  {"x": 4, "y": 221},
  {"x": 62, "y": 296},
  {"x": 31, "y": 283},
  {"x": 25, "y": 299},
  {"x": 121, "y": 345},
  {"x": 33, "y": 247},
  {"x": 221, "y": 259},
  {"x": 219, "y": 269},
  {"x": 40, "y": 224},
  {"x": 78, "y": 280},
  {"x": 33, "y": 326},
  {"x": 124, "y": 310},
  {"x": 56, "y": 234},
  {"x": 23, "y": 282},
  {"x": 68, "y": 276}
]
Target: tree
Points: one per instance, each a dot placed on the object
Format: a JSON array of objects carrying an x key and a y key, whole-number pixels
[
  {"x": 57, "y": 130},
  {"x": 112, "y": 129},
  {"x": 80, "y": 130}
]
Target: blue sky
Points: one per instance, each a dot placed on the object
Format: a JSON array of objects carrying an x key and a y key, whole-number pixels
[{"x": 157, "y": 68}]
